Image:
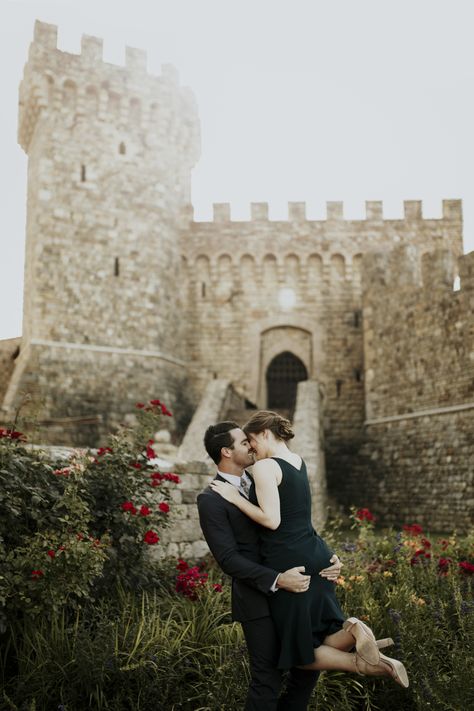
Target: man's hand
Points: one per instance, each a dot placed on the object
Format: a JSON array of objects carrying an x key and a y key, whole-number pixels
[
  {"x": 294, "y": 580},
  {"x": 334, "y": 570}
]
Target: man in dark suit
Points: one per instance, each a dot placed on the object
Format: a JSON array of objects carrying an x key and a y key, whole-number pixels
[{"x": 233, "y": 540}]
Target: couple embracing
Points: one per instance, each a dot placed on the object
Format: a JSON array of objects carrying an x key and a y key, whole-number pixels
[{"x": 260, "y": 532}]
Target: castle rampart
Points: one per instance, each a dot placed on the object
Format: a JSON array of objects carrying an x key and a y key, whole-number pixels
[{"x": 418, "y": 446}]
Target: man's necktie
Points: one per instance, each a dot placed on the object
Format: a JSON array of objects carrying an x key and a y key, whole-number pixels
[{"x": 245, "y": 484}]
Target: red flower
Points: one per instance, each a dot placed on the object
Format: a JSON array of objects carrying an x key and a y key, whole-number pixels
[
  {"x": 51, "y": 553},
  {"x": 443, "y": 564},
  {"x": 466, "y": 567},
  {"x": 413, "y": 528},
  {"x": 103, "y": 450},
  {"x": 155, "y": 403},
  {"x": 150, "y": 452},
  {"x": 164, "y": 507},
  {"x": 136, "y": 465},
  {"x": 182, "y": 565},
  {"x": 425, "y": 542},
  {"x": 444, "y": 544},
  {"x": 145, "y": 511},
  {"x": 61, "y": 548},
  {"x": 151, "y": 538},
  {"x": 128, "y": 506},
  {"x": 217, "y": 587},
  {"x": 79, "y": 536},
  {"x": 165, "y": 411},
  {"x": 37, "y": 574},
  {"x": 140, "y": 405},
  {"x": 365, "y": 515},
  {"x": 169, "y": 476},
  {"x": 11, "y": 434}
]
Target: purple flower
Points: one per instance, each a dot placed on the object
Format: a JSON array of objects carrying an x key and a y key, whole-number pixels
[{"x": 349, "y": 547}]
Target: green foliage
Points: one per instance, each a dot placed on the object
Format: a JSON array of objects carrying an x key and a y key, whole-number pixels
[
  {"x": 71, "y": 530},
  {"x": 90, "y": 620}
]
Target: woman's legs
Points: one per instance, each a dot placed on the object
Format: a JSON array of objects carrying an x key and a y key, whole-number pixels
[
  {"x": 328, "y": 658},
  {"x": 342, "y": 640}
]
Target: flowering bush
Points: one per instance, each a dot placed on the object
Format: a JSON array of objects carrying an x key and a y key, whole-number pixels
[
  {"x": 191, "y": 580},
  {"x": 73, "y": 529}
]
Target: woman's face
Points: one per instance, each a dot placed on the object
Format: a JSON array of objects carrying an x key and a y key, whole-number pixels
[{"x": 259, "y": 444}]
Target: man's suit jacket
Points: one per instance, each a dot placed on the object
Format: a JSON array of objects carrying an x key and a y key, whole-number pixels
[{"x": 233, "y": 540}]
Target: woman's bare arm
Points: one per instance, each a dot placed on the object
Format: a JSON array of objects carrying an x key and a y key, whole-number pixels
[{"x": 267, "y": 476}]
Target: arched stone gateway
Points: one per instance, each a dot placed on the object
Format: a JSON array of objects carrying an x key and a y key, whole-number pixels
[{"x": 283, "y": 374}]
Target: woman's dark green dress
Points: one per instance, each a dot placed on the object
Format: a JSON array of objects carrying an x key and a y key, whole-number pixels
[{"x": 302, "y": 619}]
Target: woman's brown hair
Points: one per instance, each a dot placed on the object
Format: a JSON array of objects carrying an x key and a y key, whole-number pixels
[{"x": 267, "y": 420}]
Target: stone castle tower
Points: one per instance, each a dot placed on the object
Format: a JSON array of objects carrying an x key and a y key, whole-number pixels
[
  {"x": 110, "y": 152},
  {"x": 128, "y": 298}
]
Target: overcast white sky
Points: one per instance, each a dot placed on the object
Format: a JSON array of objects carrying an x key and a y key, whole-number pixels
[{"x": 305, "y": 100}]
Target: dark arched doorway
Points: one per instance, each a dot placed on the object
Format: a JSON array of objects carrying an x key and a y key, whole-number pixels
[{"x": 283, "y": 375}]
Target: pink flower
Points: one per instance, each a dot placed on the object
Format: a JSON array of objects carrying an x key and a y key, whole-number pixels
[{"x": 65, "y": 471}]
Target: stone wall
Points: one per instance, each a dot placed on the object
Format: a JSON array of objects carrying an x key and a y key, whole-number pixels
[
  {"x": 184, "y": 537},
  {"x": 219, "y": 397},
  {"x": 416, "y": 457},
  {"x": 309, "y": 444},
  {"x": 238, "y": 270},
  {"x": 9, "y": 352},
  {"x": 418, "y": 469}
]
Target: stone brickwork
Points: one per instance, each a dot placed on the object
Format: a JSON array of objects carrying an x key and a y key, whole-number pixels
[
  {"x": 309, "y": 444},
  {"x": 416, "y": 460},
  {"x": 110, "y": 151},
  {"x": 219, "y": 397},
  {"x": 184, "y": 537},
  {"x": 237, "y": 271},
  {"x": 9, "y": 352}
]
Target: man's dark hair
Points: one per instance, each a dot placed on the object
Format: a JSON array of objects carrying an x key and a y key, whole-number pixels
[{"x": 218, "y": 436}]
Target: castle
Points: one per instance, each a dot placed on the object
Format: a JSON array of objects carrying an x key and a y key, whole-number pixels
[{"x": 127, "y": 297}]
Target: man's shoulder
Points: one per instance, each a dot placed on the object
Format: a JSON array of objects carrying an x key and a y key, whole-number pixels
[{"x": 208, "y": 497}]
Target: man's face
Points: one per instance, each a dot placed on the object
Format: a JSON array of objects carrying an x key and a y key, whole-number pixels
[{"x": 241, "y": 453}]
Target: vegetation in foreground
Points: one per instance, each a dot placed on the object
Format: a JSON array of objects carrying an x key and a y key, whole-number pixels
[{"x": 90, "y": 620}]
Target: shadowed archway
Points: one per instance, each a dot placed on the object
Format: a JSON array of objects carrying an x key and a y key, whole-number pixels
[{"x": 284, "y": 373}]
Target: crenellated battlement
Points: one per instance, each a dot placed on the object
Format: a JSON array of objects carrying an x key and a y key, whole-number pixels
[
  {"x": 412, "y": 209},
  {"x": 84, "y": 87},
  {"x": 404, "y": 269}
]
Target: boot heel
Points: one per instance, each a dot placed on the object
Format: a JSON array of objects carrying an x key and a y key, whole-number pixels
[{"x": 382, "y": 643}]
